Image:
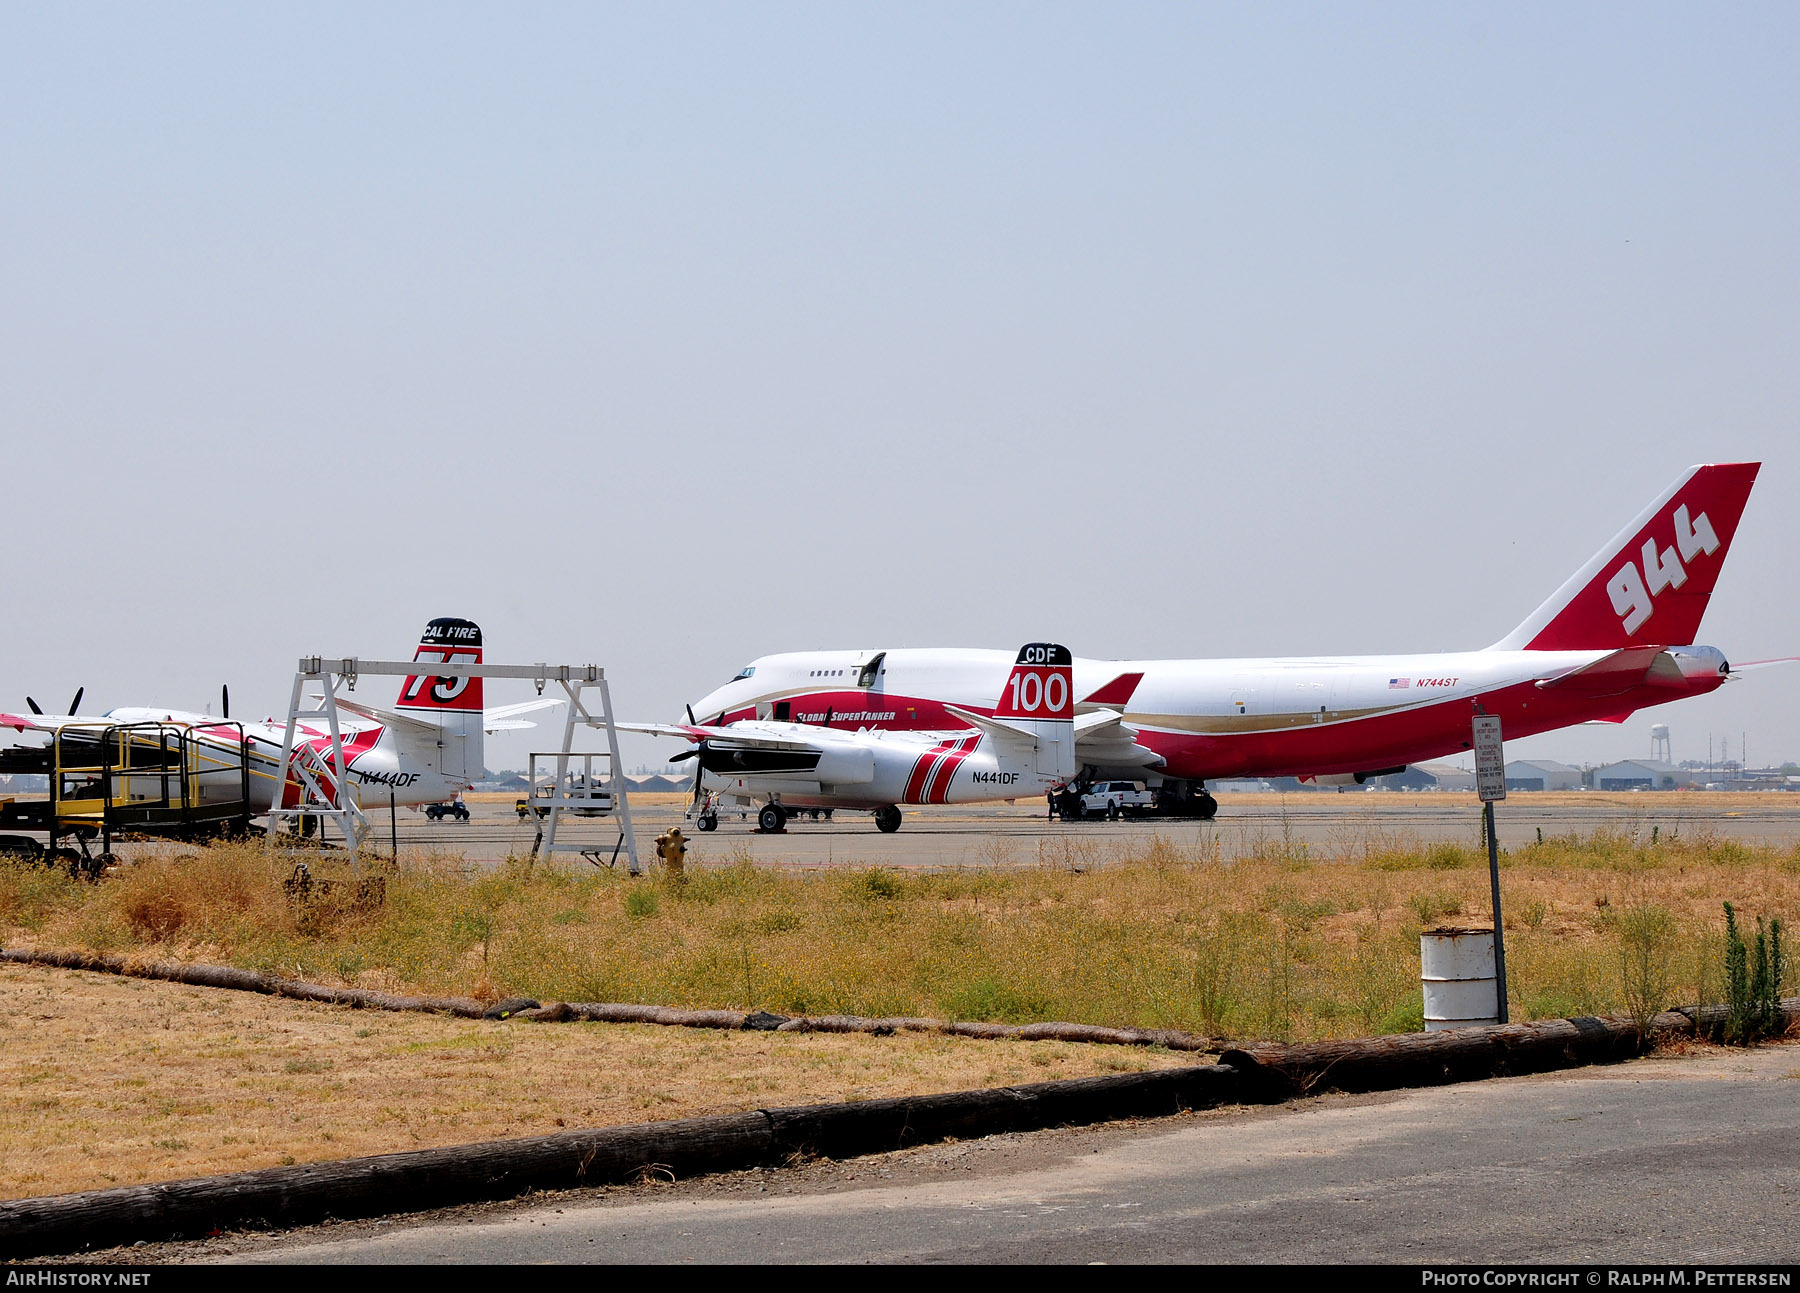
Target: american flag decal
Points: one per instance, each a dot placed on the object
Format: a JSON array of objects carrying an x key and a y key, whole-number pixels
[{"x": 1399, "y": 684}]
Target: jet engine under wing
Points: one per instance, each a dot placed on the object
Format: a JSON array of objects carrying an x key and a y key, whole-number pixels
[{"x": 1105, "y": 740}]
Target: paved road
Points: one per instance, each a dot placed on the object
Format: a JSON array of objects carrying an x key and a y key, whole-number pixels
[
  {"x": 1663, "y": 1160},
  {"x": 1019, "y": 834}
]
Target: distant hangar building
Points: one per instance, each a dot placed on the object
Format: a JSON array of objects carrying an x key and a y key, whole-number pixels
[
  {"x": 1641, "y": 774},
  {"x": 1446, "y": 776},
  {"x": 1541, "y": 774}
]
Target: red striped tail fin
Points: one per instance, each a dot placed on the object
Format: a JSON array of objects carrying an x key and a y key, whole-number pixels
[
  {"x": 1651, "y": 584},
  {"x": 445, "y": 640},
  {"x": 1041, "y": 685},
  {"x": 1038, "y": 701}
]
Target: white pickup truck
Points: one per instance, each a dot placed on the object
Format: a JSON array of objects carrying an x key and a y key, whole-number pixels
[{"x": 1117, "y": 799}]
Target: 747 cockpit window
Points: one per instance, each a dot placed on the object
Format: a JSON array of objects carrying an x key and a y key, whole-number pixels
[{"x": 746, "y": 672}]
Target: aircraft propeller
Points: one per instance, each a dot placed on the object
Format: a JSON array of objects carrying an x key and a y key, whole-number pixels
[
  {"x": 699, "y": 771},
  {"x": 224, "y": 700},
  {"x": 74, "y": 705}
]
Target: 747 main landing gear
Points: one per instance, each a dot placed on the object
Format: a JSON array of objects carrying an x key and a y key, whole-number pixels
[{"x": 887, "y": 820}]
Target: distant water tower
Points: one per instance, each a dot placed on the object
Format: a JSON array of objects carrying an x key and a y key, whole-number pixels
[{"x": 1659, "y": 743}]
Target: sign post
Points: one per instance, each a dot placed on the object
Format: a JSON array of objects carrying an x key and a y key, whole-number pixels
[{"x": 1490, "y": 784}]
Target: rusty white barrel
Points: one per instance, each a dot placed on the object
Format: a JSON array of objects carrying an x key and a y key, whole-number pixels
[{"x": 1456, "y": 968}]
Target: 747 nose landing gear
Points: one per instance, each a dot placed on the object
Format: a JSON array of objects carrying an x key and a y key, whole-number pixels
[{"x": 887, "y": 820}]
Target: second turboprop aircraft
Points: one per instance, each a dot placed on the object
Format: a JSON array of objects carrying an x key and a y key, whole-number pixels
[{"x": 1021, "y": 745}]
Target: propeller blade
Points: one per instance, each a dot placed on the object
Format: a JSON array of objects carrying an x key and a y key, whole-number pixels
[
  {"x": 75, "y": 705},
  {"x": 685, "y": 754},
  {"x": 699, "y": 775},
  {"x": 34, "y": 705},
  {"x": 690, "y": 712},
  {"x": 225, "y": 700}
]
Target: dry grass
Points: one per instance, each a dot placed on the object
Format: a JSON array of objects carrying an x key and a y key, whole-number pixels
[
  {"x": 112, "y": 1081},
  {"x": 1270, "y": 938}
]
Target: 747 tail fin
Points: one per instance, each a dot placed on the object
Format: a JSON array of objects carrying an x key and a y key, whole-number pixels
[{"x": 1650, "y": 585}]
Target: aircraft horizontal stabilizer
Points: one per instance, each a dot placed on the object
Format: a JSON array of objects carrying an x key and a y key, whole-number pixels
[
  {"x": 1104, "y": 739},
  {"x": 1619, "y": 671},
  {"x": 505, "y": 718},
  {"x": 995, "y": 727},
  {"x": 388, "y": 718}
]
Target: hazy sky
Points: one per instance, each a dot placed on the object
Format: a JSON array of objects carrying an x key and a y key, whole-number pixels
[{"x": 667, "y": 336}]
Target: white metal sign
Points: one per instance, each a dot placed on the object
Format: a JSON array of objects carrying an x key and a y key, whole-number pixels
[{"x": 1490, "y": 760}]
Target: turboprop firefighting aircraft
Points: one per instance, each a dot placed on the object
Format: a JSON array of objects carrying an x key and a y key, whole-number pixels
[
  {"x": 1022, "y": 743},
  {"x": 181, "y": 772},
  {"x": 1617, "y": 637}
]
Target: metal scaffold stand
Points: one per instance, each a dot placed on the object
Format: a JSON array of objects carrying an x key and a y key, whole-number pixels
[
  {"x": 588, "y": 792},
  {"x": 591, "y": 792}
]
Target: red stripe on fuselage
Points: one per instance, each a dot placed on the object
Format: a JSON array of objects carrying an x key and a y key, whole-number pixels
[
  {"x": 356, "y": 744},
  {"x": 921, "y": 773},
  {"x": 939, "y": 785}
]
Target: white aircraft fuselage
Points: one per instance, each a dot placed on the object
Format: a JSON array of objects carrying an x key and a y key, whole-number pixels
[{"x": 1614, "y": 639}]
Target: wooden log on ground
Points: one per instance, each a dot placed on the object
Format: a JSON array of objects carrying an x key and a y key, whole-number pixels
[
  {"x": 203, "y": 976},
  {"x": 1709, "y": 1021},
  {"x": 877, "y": 1126},
  {"x": 421, "y": 1179},
  {"x": 992, "y": 1032},
  {"x": 614, "y": 1012},
  {"x": 1094, "y": 1033},
  {"x": 1050, "y": 1031},
  {"x": 1431, "y": 1059},
  {"x": 365, "y": 999},
  {"x": 362, "y": 1187},
  {"x": 224, "y": 976},
  {"x": 1466, "y": 1054}
]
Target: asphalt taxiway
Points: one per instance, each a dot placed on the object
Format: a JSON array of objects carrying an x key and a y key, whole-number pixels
[
  {"x": 1000, "y": 835},
  {"x": 1684, "y": 1158}
]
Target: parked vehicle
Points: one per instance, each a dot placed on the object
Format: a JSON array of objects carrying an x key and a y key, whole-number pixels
[
  {"x": 449, "y": 808},
  {"x": 1116, "y": 799},
  {"x": 591, "y": 802}
]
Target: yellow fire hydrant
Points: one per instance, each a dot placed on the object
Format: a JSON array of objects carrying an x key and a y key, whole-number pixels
[{"x": 671, "y": 847}]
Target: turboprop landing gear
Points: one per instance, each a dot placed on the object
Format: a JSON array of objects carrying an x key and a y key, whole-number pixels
[
  {"x": 707, "y": 821},
  {"x": 772, "y": 819},
  {"x": 887, "y": 820}
]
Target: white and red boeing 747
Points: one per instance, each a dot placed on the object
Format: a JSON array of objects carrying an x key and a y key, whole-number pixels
[{"x": 1619, "y": 636}]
